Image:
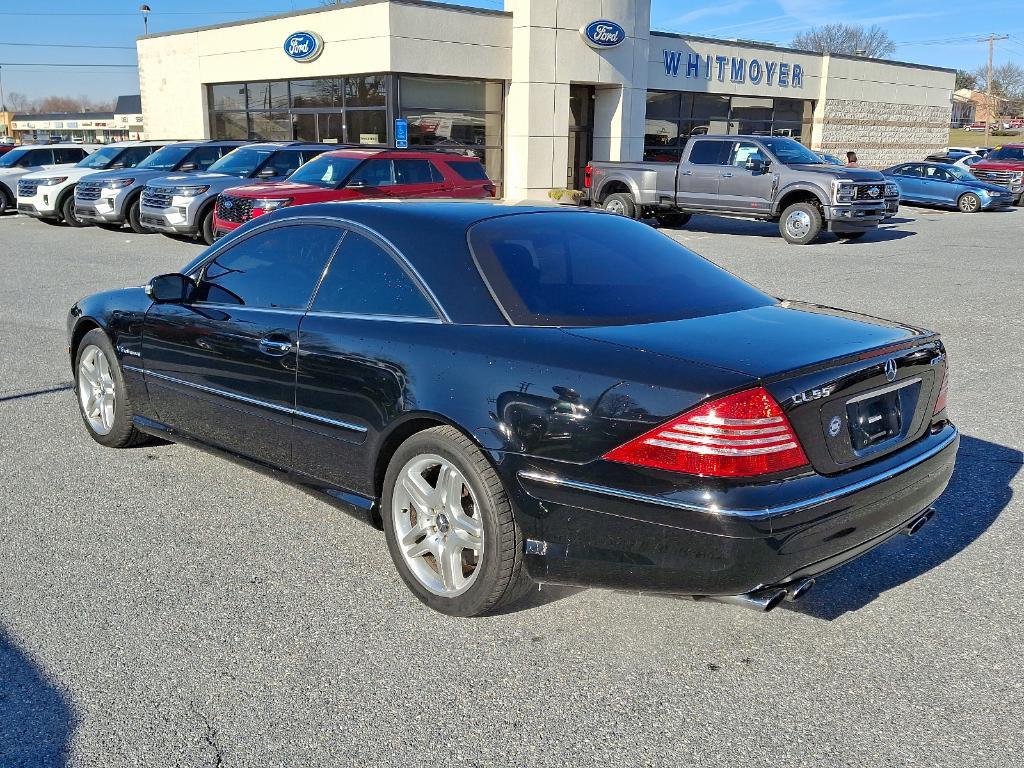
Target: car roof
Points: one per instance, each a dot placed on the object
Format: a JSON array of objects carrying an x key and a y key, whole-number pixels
[{"x": 391, "y": 154}]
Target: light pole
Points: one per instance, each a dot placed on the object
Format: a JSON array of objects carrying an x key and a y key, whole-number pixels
[{"x": 145, "y": 11}]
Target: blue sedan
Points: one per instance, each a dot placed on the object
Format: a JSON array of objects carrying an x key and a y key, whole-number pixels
[{"x": 947, "y": 185}]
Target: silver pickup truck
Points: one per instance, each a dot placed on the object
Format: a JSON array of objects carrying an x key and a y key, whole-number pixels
[{"x": 771, "y": 178}]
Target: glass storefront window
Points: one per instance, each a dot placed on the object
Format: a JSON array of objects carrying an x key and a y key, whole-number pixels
[
  {"x": 709, "y": 105},
  {"x": 367, "y": 91},
  {"x": 273, "y": 95},
  {"x": 367, "y": 126},
  {"x": 270, "y": 126},
  {"x": 442, "y": 93},
  {"x": 664, "y": 105},
  {"x": 323, "y": 92},
  {"x": 227, "y": 96},
  {"x": 230, "y": 125}
]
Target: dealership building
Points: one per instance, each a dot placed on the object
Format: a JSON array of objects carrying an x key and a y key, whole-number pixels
[{"x": 535, "y": 90}]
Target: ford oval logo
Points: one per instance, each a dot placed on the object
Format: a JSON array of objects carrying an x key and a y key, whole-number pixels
[
  {"x": 304, "y": 46},
  {"x": 603, "y": 34}
]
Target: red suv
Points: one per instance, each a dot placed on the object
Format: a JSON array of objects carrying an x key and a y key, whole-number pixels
[
  {"x": 355, "y": 174},
  {"x": 1004, "y": 166}
]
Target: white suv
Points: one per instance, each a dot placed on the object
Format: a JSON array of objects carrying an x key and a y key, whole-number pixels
[
  {"x": 36, "y": 157},
  {"x": 51, "y": 195}
]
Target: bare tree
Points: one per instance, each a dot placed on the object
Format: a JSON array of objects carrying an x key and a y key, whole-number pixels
[
  {"x": 965, "y": 79},
  {"x": 1007, "y": 87},
  {"x": 853, "y": 39},
  {"x": 18, "y": 102}
]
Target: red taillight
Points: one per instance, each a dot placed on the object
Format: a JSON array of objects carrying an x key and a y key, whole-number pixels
[
  {"x": 491, "y": 190},
  {"x": 940, "y": 402},
  {"x": 588, "y": 177},
  {"x": 740, "y": 435}
]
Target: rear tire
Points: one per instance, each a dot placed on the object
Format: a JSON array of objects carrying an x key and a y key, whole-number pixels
[
  {"x": 969, "y": 203},
  {"x": 453, "y": 537},
  {"x": 621, "y": 204},
  {"x": 672, "y": 219},
  {"x": 102, "y": 396},
  {"x": 800, "y": 223},
  {"x": 134, "y": 217},
  {"x": 67, "y": 212}
]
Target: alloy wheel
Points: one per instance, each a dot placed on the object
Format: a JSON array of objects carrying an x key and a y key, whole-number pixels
[
  {"x": 438, "y": 525},
  {"x": 96, "y": 390}
]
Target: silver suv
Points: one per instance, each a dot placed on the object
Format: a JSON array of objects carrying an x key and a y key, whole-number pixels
[
  {"x": 111, "y": 198},
  {"x": 183, "y": 204}
]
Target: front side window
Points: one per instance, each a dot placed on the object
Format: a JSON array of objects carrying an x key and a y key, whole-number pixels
[
  {"x": 742, "y": 151},
  {"x": 68, "y": 154},
  {"x": 242, "y": 162},
  {"x": 375, "y": 173},
  {"x": 325, "y": 171},
  {"x": 580, "y": 269},
  {"x": 204, "y": 157},
  {"x": 277, "y": 269},
  {"x": 102, "y": 158},
  {"x": 283, "y": 163},
  {"x": 165, "y": 159},
  {"x": 364, "y": 279}
]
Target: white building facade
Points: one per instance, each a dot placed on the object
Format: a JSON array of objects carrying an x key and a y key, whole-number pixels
[{"x": 535, "y": 90}]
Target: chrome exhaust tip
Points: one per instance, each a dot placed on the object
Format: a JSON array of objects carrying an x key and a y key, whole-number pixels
[
  {"x": 918, "y": 522},
  {"x": 763, "y": 600},
  {"x": 798, "y": 589}
]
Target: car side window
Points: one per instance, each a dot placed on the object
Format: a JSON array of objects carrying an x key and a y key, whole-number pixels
[
  {"x": 134, "y": 155},
  {"x": 413, "y": 172},
  {"x": 910, "y": 170},
  {"x": 283, "y": 163},
  {"x": 375, "y": 173},
  {"x": 36, "y": 157},
  {"x": 935, "y": 174},
  {"x": 204, "y": 157},
  {"x": 742, "y": 151},
  {"x": 364, "y": 279},
  {"x": 276, "y": 269},
  {"x": 68, "y": 154},
  {"x": 707, "y": 152}
]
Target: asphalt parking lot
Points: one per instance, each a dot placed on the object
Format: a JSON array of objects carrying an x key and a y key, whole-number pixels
[{"x": 160, "y": 607}]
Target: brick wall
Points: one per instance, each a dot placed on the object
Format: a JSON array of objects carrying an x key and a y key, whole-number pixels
[{"x": 883, "y": 134}]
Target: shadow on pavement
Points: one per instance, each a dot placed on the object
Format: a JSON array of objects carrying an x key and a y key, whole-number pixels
[
  {"x": 36, "y": 721},
  {"x": 722, "y": 225},
  {"x": 977, "y": 493},
  {"x": 36, "y": 392}
]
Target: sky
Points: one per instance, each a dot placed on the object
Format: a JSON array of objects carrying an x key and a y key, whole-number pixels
[{"x": 941, "y": 33}]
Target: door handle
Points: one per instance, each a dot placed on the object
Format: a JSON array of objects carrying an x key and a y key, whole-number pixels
[
  {"x": 686, "y": 173},
  {"x": 727, "y": 175},
  {"x": 275, "y": 348}
]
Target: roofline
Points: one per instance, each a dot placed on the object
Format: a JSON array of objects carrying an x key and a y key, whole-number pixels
[
  {"x": 326, "y": 9},
  {"x": 769, "y": 47}
]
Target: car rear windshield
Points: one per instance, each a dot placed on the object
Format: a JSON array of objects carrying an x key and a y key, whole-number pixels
[
  {"x": 581, "y": 269},
  {"x": 1006, "y": 153},
  {"x": 165, "y": 159},
  {"x": 326, "y": 171}
]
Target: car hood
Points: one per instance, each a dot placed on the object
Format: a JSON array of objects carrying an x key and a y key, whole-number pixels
[
  {"x": 763, "y": 341},
  {"x": 840, "y": 172},
  {"x": 982, "y": 185},
  {"x": 280, "y": 189},
  {"x": 999, "y": 165},
  {"x": 72, "y": 172},
  {"x": 217, "y": 182}
]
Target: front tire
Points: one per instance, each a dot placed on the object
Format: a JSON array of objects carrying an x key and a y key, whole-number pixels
[
  {"x": 450, "y": 527},
  {"x": 800, "y": 223},
  {"x": 206, "y": 228},
  {"x": 102, "y": 396},
  {"x": 672, "y": 219},
  {"x": 67, "y": 212},
  {"x": 621, "y": 204},
  {"x": 134, "y": 217},
  {"x": 969, "y": 203}
]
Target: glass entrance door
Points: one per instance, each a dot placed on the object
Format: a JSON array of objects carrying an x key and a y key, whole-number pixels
[{"x": 581, "y": 133}]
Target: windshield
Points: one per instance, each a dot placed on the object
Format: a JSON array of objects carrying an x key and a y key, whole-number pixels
[
  {"x": 10, "y": 159},
  {"x": 165, "y": 159},
  {"x": 325, "y": 171},
  {"x": 100, "y": 158},
  {"x": 1006, "y": 153},
  {"x": 790, "y": 152},
  {"x": 961, "y": 173},
  {"x": 241, "y": 162},
  {"x": 581, "y": 269}
]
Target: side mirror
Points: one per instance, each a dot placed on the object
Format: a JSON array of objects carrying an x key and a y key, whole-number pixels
[
  {"x": 266, "y": 173},
  {"x": 186, "y": 167},
  {"x": 757, "y": 166},
  {"x": 172, "y": 288},
  {"x": 357, "y": 184}
]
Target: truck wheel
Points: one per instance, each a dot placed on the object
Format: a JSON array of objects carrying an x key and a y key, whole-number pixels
[
  {"x": 206, "y": 227},
  {"x": 621, "y": 204},
  {"x": 800, "y": 223},
  {"x": 969, "y": 203},
  {"x": 67, "y": 211},
  {"x": 134, "y": 217},
  {"x": 672, "y": 219}
]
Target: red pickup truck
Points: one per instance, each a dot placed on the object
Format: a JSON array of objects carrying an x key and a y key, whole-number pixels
[
  {"x": 354, "y": 174},
  {"x": 1004, "y": 166}
]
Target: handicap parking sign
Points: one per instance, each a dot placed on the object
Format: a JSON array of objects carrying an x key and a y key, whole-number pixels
[{"x": 401, "y": 134}]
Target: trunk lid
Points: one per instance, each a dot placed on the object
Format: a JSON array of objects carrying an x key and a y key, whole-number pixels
[{"x": 854, "y": 387}]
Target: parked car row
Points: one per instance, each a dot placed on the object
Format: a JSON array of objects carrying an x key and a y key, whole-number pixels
[{"x": 205, "y": 189}]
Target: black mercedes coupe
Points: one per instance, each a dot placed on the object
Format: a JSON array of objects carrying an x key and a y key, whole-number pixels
[{"x": 521, "y": 395}]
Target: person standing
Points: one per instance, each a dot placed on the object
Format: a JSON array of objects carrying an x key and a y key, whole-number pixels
[{"x": 851, "y": 160}]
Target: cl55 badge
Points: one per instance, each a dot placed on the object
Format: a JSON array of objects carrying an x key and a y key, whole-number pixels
[{"x": 814, "y": 394}]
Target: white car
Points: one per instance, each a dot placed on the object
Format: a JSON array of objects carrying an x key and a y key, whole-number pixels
[
  {"x": 50, "y": 194},
  {"x": 968, "y": 160},
  {"x": 36, "y": 157},
  {"x": 973, "y": 150}
]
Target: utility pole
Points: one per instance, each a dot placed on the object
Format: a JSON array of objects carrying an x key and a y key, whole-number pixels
[{"x": 988, "y": 83}]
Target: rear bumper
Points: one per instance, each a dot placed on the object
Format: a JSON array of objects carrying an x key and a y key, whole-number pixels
[{"x": 595, "y": 535}]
